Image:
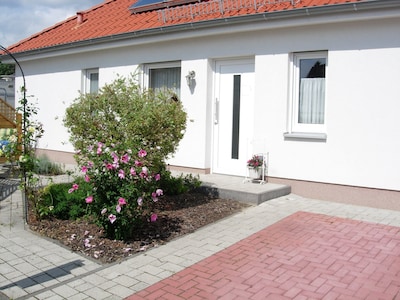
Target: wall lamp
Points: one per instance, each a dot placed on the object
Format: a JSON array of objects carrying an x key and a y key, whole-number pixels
[{"x": 190, "y": 78}]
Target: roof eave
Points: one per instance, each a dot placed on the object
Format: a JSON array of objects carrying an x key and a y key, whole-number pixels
[{"x": 302, "y": 13}]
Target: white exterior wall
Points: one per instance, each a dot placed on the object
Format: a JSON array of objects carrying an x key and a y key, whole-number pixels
[
  {"x": 361, "y": 107},
  {"x": 192, "y": 149},
  {"x": 362, "y": 103}
]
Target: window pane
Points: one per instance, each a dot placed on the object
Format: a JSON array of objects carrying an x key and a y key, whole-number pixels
[
  {"x": 93, "y": 82},
  {"x": 312, "y": 91},
  {"x": 166, "y": 79}
]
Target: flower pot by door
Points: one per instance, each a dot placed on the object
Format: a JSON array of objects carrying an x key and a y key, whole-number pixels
[{"x": 255, "y": 173}]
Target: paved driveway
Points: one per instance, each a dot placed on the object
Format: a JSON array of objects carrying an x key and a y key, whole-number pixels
[{"x": 304, "y": 256}]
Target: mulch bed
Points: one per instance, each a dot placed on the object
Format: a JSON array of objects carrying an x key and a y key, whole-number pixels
[{"x": 177, "y": 216}]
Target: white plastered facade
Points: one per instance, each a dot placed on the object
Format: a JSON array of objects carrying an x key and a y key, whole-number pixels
[{"x": 362, "y": 93}]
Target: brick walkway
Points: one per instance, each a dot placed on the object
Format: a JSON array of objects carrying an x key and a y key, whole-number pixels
[{"x": 303, "y": 256}]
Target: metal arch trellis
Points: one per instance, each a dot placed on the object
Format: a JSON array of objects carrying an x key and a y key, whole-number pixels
[
  {"x": 213, "y": 6},
  {"x": 24, "y": 103}
]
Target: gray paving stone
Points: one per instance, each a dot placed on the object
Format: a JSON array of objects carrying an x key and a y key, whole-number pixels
[
  {"x": 65, "y": 290},
  {"x": 124, "y": 281},
  {"x": 148, "y": 278},
  {"x": 79, "y": 296},
  {"x": 55, "y": 297},
  {"x": 139, "y": 286},
  {"x": 84, "y": 286},
  {"x": 95, "y": 278},
  {"x": 44, "y": 295},
  {"x": 97, "y": 293},
  {"x": 150, "y": 269},
  {"x": 119, "y": 291}
]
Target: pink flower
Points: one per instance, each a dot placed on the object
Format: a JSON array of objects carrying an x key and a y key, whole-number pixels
[
  {"x": 159, "y": 192},
  {"x": 137, "y": 163},
  {"x": 153, "y": 217},
  {"x": 89, "y": 199},
  {"x": 109, "y": 166},
  {"x": 140, "y": 201},
  {"x": 133, "y": 171},
  {"x": 121, "y": 201},
  {"x": 99, "y": 150},
  {"x": 90, "y": 164},
  {"x": 154, "y": 196},
  {"x": 125, "y": 158},
  {"x": 121, "y": 174},
  {"x": 87, "y": 243},
  {"x": 103, "y": 211},
  {"x": 115, "y": 157},
  {"x": 87, "y": 178},
  {"x": 118, "y": 208},
  {"x": 74, "y": 188},
  {"x": 144, "y": 172},
  {"x": 157, "y": 177},
  {"x": 142, "y": 153},
  {"x": 84, "y": 169},
  {"x": 112, "y": 218}
]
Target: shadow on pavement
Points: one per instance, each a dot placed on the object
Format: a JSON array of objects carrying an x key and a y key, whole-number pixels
[{"x": 44, "y": 276}]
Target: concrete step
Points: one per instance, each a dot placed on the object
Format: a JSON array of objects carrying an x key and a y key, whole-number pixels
[{"x": 240, "y": 189}]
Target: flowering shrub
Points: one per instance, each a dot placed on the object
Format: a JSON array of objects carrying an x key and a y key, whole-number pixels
[
  {"x": 255, "y": 162},
  {"x": 123, "y": 112},
  {"x": 123, "y": 190}
]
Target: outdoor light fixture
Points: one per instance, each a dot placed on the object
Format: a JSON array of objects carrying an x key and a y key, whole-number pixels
[{"x": 190, "y": 78}]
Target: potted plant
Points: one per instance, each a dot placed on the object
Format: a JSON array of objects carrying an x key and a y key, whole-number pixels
[{"x": 255, "y": 164}]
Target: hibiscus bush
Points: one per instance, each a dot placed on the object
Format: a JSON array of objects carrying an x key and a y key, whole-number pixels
[
  {"x": 123, "y": 188},
  {"x": 123, "y": 113},
  {"x": 122, "y": 136}
]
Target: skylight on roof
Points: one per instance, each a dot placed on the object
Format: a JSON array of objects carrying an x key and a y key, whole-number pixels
[{"x": 148, "y": 5}]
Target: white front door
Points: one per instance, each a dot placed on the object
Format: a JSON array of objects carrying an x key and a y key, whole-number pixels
[{"x": 233, "y": 115}]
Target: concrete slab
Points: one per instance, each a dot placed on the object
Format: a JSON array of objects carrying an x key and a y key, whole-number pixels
[{"x": 241, "y": 189}]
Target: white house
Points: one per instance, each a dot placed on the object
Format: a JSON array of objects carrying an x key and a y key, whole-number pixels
[{"x": 315, "y": 83}]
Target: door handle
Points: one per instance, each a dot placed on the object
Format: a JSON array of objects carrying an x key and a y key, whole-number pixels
[{"x": 216, "y": 111}]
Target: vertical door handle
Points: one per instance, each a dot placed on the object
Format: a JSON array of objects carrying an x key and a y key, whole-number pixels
[{"x": 216, "y": 111}]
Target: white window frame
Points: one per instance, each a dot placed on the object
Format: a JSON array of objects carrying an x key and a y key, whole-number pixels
[
  {"x": 163, "y": 65},
  {"x": 86, "y": 80},
  {"x": 295, "y": 128}
]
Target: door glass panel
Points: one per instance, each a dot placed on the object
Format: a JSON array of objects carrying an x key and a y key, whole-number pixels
[{"x": 235, "y": 117}]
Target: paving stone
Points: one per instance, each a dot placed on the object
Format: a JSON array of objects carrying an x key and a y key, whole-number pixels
[
  {"x": 97, "y": 293},
  {"x": 313, "y": 280},
  {"x": 65, "y": 290}
]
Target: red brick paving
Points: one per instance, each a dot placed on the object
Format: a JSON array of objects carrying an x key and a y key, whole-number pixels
[{"x": 304, "y": 256}]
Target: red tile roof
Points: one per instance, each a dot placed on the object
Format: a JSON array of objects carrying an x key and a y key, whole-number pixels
[{"x": 113, "y": 17}]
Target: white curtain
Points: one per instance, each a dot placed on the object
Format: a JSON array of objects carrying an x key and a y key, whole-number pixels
[
  {"x": 312, "y": 100},
  {"x": 166, "y": 78}
]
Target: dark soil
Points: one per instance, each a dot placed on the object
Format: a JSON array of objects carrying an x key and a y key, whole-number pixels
[{"x": 177, "y": 216}]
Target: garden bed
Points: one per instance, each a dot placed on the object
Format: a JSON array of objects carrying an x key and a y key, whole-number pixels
[{"x": 177, "y": 216}]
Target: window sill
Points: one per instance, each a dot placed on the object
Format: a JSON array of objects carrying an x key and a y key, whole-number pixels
[{"x": 305, "y": 136}]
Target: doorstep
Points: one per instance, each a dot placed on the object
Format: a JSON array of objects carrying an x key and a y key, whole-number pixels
[{"x": 237, "y": 188}]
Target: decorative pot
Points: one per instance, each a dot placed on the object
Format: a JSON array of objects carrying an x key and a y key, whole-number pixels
[{"x": 255, "y": 173}]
